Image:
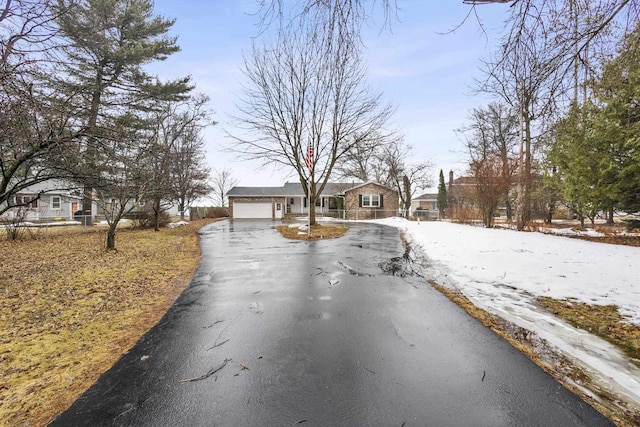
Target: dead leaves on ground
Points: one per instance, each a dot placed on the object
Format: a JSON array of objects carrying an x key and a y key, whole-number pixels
[
  {"x": 318, "y": 232},
  {"x": 69, "y": 309}
]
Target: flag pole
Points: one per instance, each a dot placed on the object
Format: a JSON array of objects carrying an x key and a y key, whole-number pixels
[
  {"x": 309, "y": 205},
  {"x": 309, "y": 162}
]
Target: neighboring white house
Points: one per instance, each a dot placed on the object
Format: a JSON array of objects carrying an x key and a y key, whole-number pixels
[
  {"x": 52, "y": 199},
  {"x": 57, "y": 200}
]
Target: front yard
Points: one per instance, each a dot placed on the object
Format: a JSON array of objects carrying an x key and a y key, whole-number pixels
[{"x": 69, "y": 309}]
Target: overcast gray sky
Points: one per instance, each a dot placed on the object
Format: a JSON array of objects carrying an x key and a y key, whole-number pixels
[{"x": 426, "y": 74}]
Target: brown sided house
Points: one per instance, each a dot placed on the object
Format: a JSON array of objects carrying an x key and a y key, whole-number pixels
[{"x": 341, "y": 200}]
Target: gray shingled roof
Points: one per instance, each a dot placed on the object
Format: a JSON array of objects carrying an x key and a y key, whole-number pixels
[
  {"x": 427, "y": 196},
  {"x": 256, "y": 191},
  {"x": 52, "y": 186},
  {"x": 289, "y": 189}
]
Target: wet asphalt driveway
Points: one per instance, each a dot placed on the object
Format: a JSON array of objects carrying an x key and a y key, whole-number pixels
[{"x": 295, "y": 337}]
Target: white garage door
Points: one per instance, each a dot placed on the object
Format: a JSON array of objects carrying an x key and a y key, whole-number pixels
[{"x": 252, "y": 210}]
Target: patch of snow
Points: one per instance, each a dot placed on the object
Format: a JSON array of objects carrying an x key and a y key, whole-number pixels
[
  {"x": 571, "y": 232},
  {"x": 177, "y": 224},
  {"x": 504, "y": 271}
]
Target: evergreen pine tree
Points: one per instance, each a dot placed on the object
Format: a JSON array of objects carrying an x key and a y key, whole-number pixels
[{"x": 442, "y": 195}]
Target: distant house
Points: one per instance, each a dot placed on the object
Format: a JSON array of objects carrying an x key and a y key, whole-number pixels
[
  {"x": 461, "y": 196},
  {"x": 49, "y": 200},
  {"x": 60, "y": 200},
  {"x": 425, "y": 206},
  {"x": 344, "y": 200}
]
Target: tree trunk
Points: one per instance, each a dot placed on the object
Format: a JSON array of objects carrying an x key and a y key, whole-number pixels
[
  {"x": 552, "y": 207},
  {"x": 610, "y": 216},
  {"x": 111, "y": 237},
  {"x": 91, "y": 154},
  {"x": 507, "y": 204},
  {"x": 526, "y": 211},
  {"x": 156, "y": 214},
  {"x": 406, "y": 183},
  {"x": 181, "y": 209}
]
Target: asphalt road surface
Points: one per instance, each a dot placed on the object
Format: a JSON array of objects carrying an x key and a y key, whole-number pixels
[{"x": 273, "y": 332}]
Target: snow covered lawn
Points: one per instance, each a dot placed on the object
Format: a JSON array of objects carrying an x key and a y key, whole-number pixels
[{"x": 504, "y": 271}]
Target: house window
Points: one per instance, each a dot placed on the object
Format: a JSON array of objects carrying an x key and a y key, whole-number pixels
[
  {"x": 56, "y": 202},
  {"x": 278, "y": 206},
  {"x": 320, "y": 201},
  {"x": 292, "y": 201},
  {"x": 27, "y": 201},
  {"x": 370, "y": 200}
]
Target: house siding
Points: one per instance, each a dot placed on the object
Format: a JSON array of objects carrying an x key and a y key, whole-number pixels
[
  {"x": 389, "y": 206},
  {"x": 45, "y": 209}
]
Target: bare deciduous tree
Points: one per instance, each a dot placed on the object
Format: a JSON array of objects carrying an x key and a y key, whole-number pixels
[
  {"x": 491, "y": 138},
  {"x": 307, "y": 93},
  {"x": 347, "y": 14},
  {"x": 406, "y": 177},
  {"x": 177, "y": 155},
  {"x": 544, "y": 58},
  {"x": 223, "y": 181}
]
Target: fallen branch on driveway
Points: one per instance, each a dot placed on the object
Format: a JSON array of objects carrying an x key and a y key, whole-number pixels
[{"x": 208, "y": 374}]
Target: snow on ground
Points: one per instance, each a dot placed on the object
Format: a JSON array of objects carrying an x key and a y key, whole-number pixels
[{"x": 503, "y": 271}]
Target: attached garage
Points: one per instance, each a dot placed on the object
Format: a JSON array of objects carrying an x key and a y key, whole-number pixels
[
  {"x": 256, "y": 202},
  {"x": 245, "y": 210}
]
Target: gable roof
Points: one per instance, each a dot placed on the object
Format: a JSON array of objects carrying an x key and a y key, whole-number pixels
[
  {"x": 426, "y": 196},
  {"x": 464, "y": 180},
  {"x": 256, "y": 191},
  {"x": 290, "y": 189},
  {"x": 52, "y": 186},
  {"x": 370, "y": 183}
]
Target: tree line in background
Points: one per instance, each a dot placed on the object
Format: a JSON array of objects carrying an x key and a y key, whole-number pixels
[
  {"x": 77, "y": 105},
  {"x": 550, "y": 138},
  {"x": 563, "y": 129}
]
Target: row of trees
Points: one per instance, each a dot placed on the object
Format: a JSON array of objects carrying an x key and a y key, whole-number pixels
[
  {"x": 558, "y": 132},
  {"x": 77, "y": 104},
  {"x": 595, "y": 153},
  {"x": 542, "y": 77}
]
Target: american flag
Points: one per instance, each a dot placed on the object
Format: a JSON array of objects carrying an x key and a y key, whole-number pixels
[{"x": 309, "y": 157}]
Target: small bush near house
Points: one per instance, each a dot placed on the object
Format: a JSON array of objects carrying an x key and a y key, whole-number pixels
[
  {"x": 632, "y": 224},
  {"x": 146, "y": 219},
  {"x": 13, "y": 227}
]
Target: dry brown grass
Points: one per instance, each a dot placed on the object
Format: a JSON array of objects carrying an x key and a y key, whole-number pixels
[
  {"x": 615, "y": 234},
  {"x": 318, "y": 232},
  {"x": 69, "y": 309},
  {"x": 602, "y": 320}
]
